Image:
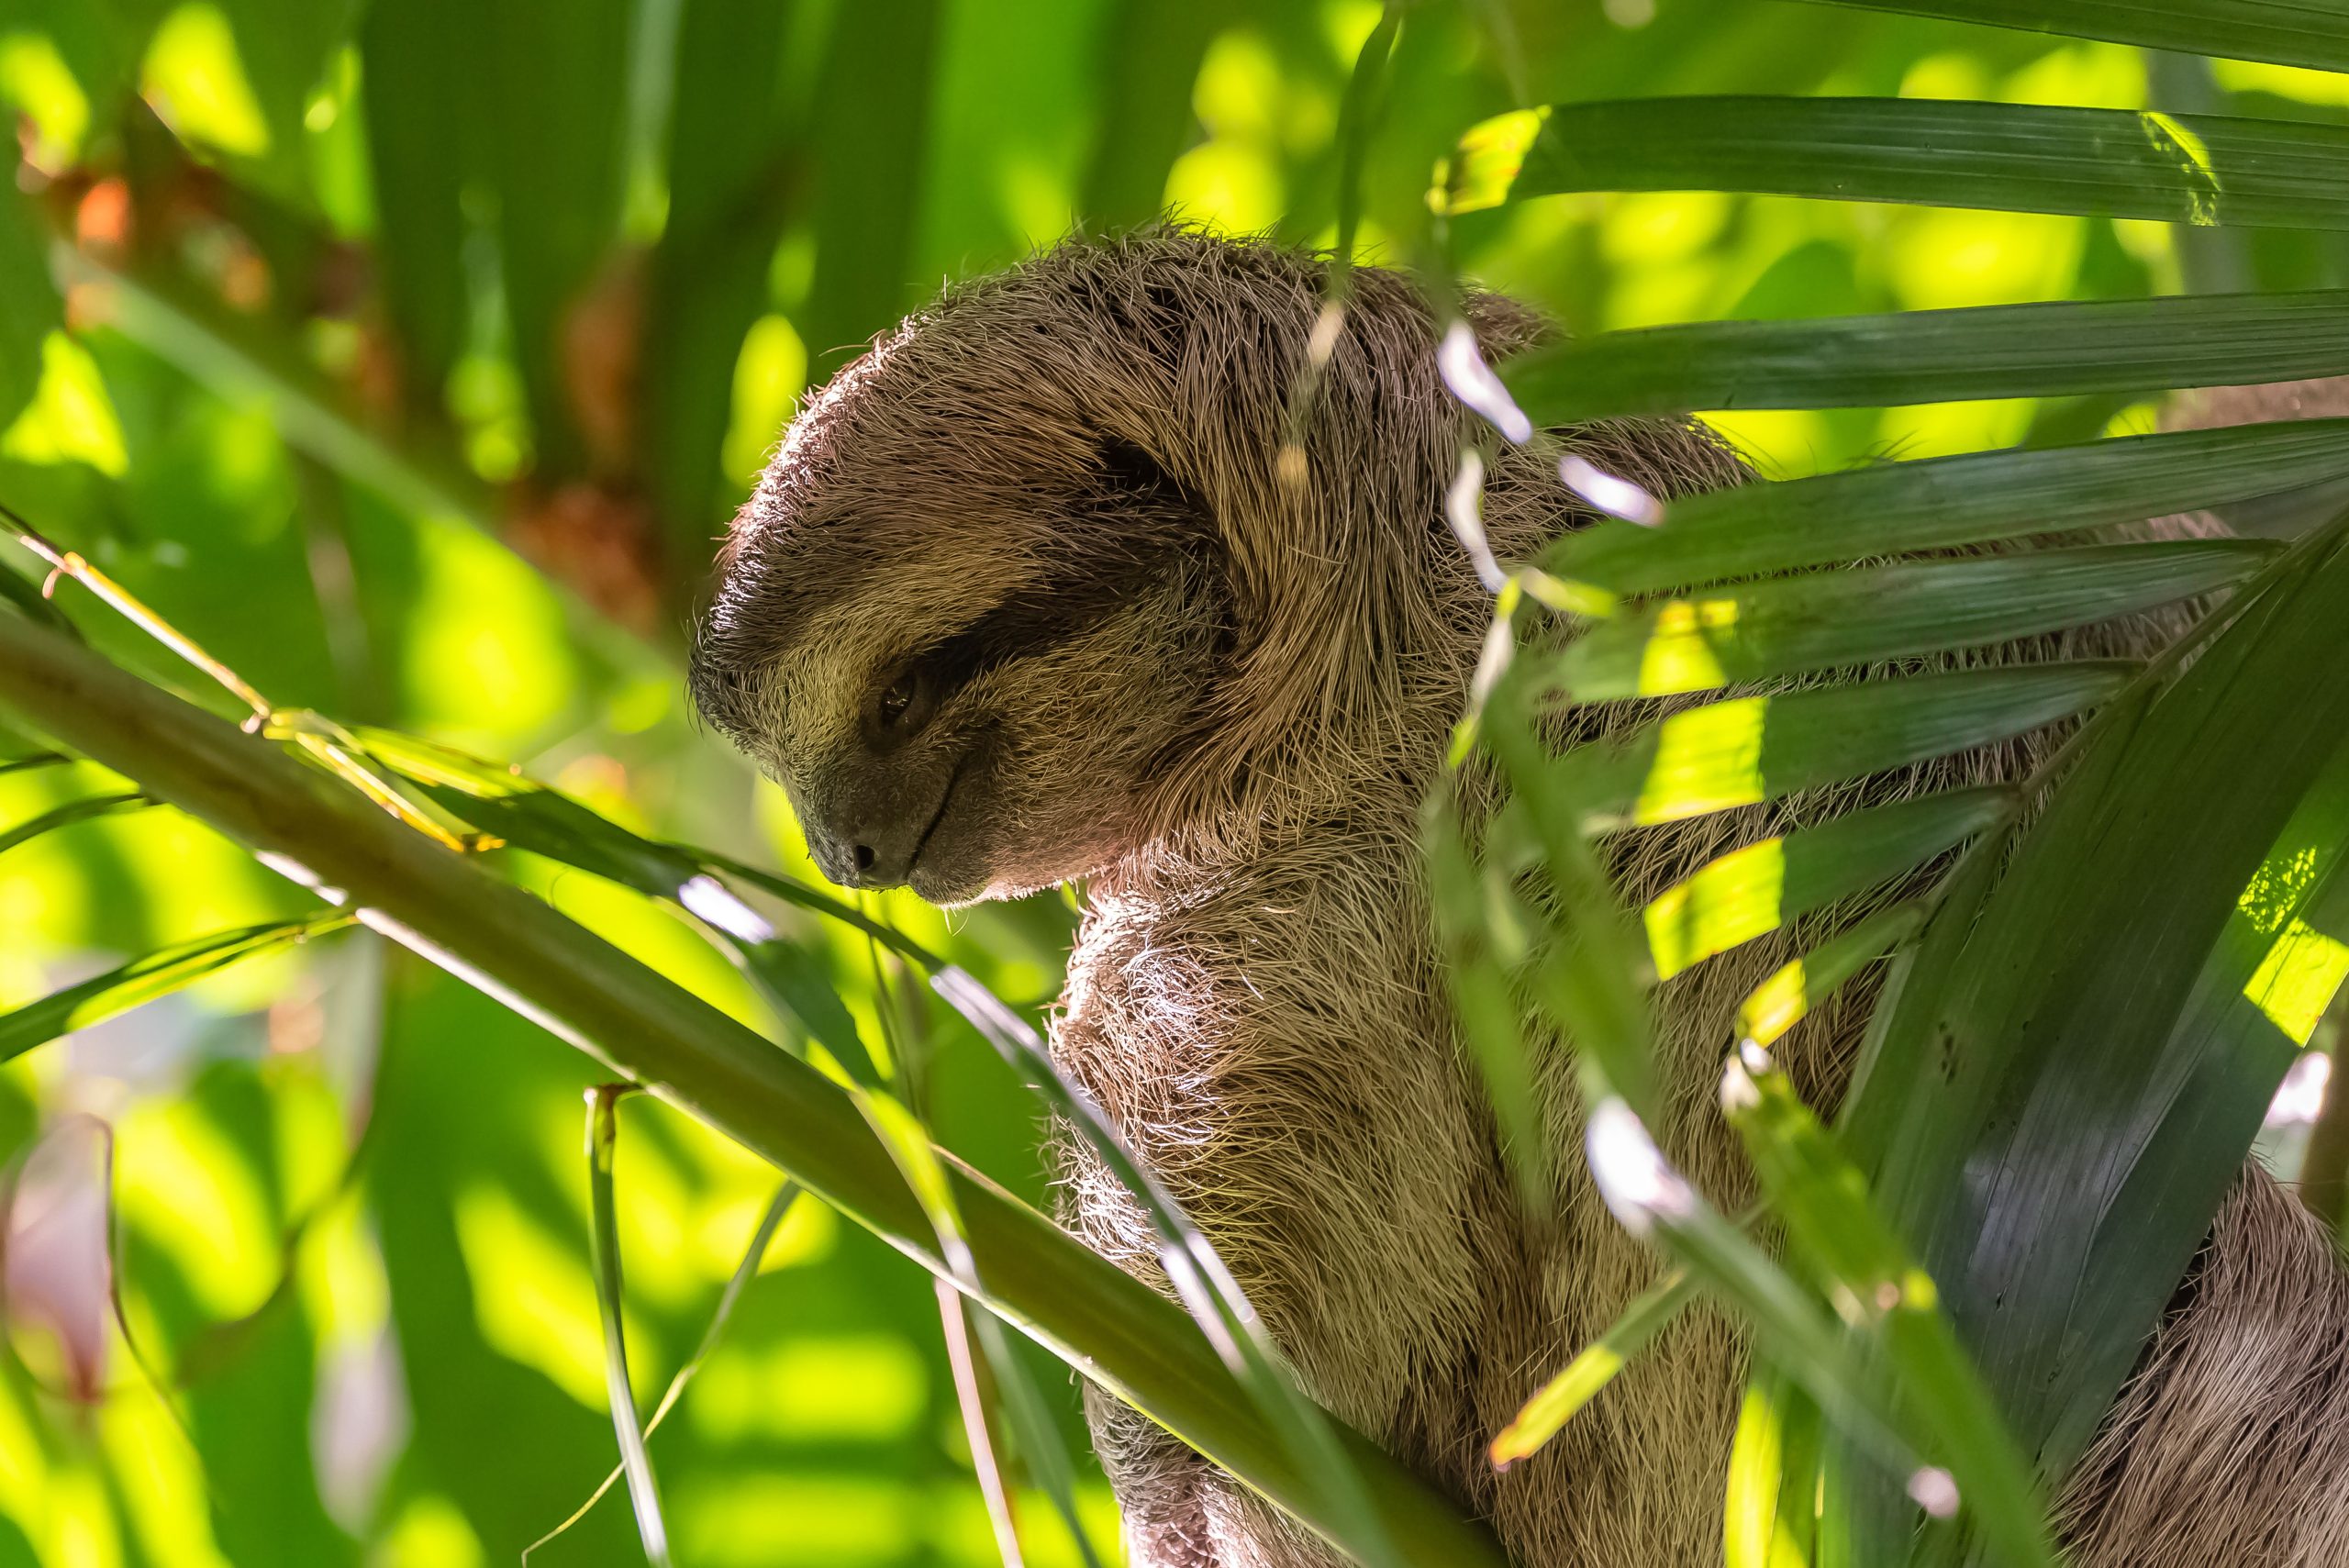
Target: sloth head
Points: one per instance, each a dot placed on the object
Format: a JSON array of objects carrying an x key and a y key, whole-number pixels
[{"x": 1030, "y": 586}]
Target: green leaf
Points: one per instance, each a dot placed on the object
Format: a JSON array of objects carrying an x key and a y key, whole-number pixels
[
  {"x": 872, "y": 115},
  {"x": 142, "y": 980},
  {"x": 166, "y": 316},
  {"x": 1760, "y": 888},
  {"x": 559, "y": 73},
  {"x": 531, "y": 816},
  {"x": 1888, "y": 1301},
  {"x": 2057, "y": 1128},
  {"x": 283, "y": 46},
  {"x": 1593, "y": 1368},
  {"x": 1867, "y": 616},
  {"x": 516, "y": 949},
  {"x": 908, "y": 1143},
  {"x": 101, "y": 41},
  {"x": 1743, "y": 751},
  {"x": 1588, "y": 980},
  {"x": 735, "y": 174},
  {"x": 2314, "y": 33},
  {"x": 778, "y": 1208},
  {"x": 1147, "y": 63},
  {"x": 1358, "y": 113},
  {"x": 426, "y": 66},
  {"x": 29, "y": 304},
  {"x": 1772, "y": 1500},
  {"x": 1794, "y": 990},
  {"x": 1656, "y": 1202},
  {"x": 796, "y": 978},
  {"x": 1946, "y": 503},
  {"x": 2040, "y": 349},
  {"x": 2196, "y": 169},
  {"x": 29, "y": 598},
  {"x": 65, "y": 815},
  {"x": 1487, "y": 932},
  {"x": 643, "y": 1489},
  {"x": 552, "y": 824}
]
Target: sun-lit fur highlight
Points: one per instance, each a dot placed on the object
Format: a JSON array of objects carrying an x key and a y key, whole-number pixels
[{"x": 1236, "y": 759}]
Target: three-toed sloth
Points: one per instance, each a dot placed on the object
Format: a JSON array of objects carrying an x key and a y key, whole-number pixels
[{"x": 1029, "y": 593}]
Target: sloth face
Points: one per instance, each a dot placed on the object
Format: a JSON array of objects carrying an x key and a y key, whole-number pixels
[{"x": 965, "y": 624}]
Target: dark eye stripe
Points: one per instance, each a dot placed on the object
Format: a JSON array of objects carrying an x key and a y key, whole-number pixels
[
  {"x": 1129, "y": 527},
  {"x": 1062, "y": 609}
]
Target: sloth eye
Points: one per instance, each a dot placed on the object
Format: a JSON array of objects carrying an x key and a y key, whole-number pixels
[
  {"x": 903, "y": 706},
  {"x": 896, "y": 699}
]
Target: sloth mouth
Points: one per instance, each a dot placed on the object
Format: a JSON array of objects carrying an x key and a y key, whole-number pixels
[{"x": 945, "y": 800}]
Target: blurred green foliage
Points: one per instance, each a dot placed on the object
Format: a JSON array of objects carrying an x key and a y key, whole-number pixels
[{"x": 413, "y": 354}]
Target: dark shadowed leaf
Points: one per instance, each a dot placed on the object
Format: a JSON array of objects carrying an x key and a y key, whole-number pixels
[
  {"x": 284, "y": 46},
  {"x": 1149, "y": 54},
  {"x": 2230, "y": 792},
  {"x": 798, "y": 978},
  {"x": 531, "y": 816},
  {"x": 1486, "y": 933},
  {"x": 425, "y": 67},
  {"x": 29, "y": 307},
  {"x": 1890, "y": 1302},
  {"x": 25, "y": 596},
  {"x": 735, "y": 174},
  {"x": 871, "y": 113},
  {"x": 559, "y": 72}
]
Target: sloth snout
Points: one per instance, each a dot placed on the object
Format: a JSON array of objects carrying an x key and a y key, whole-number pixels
[{"x": 861, "y": 854}]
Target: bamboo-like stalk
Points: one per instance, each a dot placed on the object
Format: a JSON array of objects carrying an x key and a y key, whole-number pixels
[{"x": 647, "y": 1029}]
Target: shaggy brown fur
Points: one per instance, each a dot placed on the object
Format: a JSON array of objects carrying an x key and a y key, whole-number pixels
[{"x": 1026, "y": 596}]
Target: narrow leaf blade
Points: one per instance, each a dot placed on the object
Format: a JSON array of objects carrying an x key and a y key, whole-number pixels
[
  {"x": 1557, "y": 1401},
  {"x": 1745, "y": 751},
  {"x": 1827, "y": 619},
  {"x": 1760, "y": 887},
  {"x": 142, "y": 980},
  {"x": 2312, "y": 33},
  {"x": 2195, "y": 169},
  {"x": 1950, "y": 503},
  {"x": 2040, "y": 349}
]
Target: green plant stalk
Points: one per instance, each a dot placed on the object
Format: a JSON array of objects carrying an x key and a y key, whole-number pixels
[
  {"x": 778, "y": 1207},
  {"x": 644, "y": 1026},
  {"x": 643, "y": 1490}
]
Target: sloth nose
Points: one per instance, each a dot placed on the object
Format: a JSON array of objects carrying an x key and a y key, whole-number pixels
[{"x": 861, "y": 853}]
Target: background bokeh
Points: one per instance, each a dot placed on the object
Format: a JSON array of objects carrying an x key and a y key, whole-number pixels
[{"x": 410, "y": 357}]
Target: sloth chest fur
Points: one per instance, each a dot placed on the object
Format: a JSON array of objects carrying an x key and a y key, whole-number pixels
[{"x": 1269, "y": 1038}]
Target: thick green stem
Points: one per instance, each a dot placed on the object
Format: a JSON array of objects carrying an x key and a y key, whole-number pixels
[{"x": 658, "y": 1035}]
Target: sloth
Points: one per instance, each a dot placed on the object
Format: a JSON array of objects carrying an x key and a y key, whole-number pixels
[{"x": 1051, "y": 585}]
